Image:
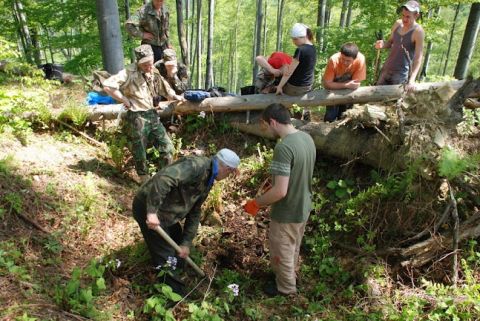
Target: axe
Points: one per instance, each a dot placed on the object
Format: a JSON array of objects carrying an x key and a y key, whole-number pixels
[{"x": 172, "y": 243}]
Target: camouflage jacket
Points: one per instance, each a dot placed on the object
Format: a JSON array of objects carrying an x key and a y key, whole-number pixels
[
  {"x": 179, "y": 82},
  {"x": 147, "y": 20},
  {"x": 138, "y": 89},
  {"x": 177, "y": 192}
]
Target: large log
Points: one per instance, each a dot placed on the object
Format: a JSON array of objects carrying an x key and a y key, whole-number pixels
[
  {"x": 314, "y": 98},
  {"x": 343, "y": 142}
]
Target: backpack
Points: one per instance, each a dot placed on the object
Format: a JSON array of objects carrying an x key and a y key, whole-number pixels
[{"x": 196, "y": 95}]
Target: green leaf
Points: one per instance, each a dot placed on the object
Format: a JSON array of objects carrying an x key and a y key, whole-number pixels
[
  {"x": 168, "y": 292},
  {"x": 341, "y": 193},
  {"x": 101, "y": 284},
  {"x": 332, "y": 185}
]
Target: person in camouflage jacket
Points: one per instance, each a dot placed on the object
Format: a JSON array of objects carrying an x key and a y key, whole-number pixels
[
  {"x": 140, "y": 87},
  {"x": 177, "y": 193},
  {"x": 150, "y": 23}
]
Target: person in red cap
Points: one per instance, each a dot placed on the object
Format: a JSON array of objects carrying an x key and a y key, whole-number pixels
[
  {"x": 406, "y": 48},
  {"x": 272, "y": 70}
]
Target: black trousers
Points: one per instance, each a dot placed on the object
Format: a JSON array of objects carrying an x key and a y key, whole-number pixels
[
  {"x": 159, "y": 249},
  {"x": 157, "y": 51}
]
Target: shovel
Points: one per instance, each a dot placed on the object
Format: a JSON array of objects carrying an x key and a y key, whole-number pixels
[{"x": 172, "y": 243}]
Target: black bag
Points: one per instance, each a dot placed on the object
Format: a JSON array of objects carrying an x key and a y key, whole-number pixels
[
  {"x": 217, "y": 92},
  {"x": 247, "y": 90}
]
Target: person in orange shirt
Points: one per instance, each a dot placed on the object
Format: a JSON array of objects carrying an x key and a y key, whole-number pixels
[{"x": 345, "y": 70}]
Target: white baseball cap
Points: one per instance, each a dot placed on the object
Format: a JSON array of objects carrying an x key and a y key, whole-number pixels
[
  {"x": 228, "y": 157},
  {"x": 412, "y": 6},
  {"x": 299, "y": 30}
]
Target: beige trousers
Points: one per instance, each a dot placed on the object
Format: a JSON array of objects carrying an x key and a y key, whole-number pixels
[
  {"x": 292, "y": 90},
  {"x": 284, "y": 241}
]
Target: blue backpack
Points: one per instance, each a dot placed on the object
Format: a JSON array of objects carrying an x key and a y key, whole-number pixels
[{"x": 196, "y": 95}]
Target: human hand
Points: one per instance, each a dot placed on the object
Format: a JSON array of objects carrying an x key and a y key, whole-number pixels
[
  {"x": 410, "y": 88},
  {"x": 184, "y": 251},
  {"x": 279, "y": 91},
  {"x": 152, "y": 221},
  {"x": 251, "y": 207},
  {"x": 179, "y": 98},
  {"x": 352, "y": 84},
  {"x": 147, "y": 36},
  {"x": 379, "y": 44},
  {"x": 277, "y": 73},
  {"x": 126, "y": 103}
]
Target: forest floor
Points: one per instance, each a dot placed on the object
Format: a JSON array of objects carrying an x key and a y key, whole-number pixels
[{"x": 65, "y": 202}]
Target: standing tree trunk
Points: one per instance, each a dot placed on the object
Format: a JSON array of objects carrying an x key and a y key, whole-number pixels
[
  {"x": 343, "y": 14},
  {"x": 280, "y": 9},
  {"x": 426, "y": 61},
  {"x": 199, "y": 43},
  {"x": 182, "y": 38},
  {"x": 258, "y": 37},
  {"x": 265, "y": 29},
  {"x": 322, "y": 8},
  {"x": 468, "y": 43},
  {"x": 452, "y": 31},
  {"x": 192, "y": 28},
  {"x": 127, "y": 16},
  {"x": 110, "y": 35},
  {"x": 209, "y": 77},
  {"x": 21, "y": 18},
  {"x": 36, "y": 47},
  {"x": 349, "y": 14}
]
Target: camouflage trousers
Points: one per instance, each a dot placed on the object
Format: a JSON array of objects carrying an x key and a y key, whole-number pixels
[{"x": 144, "y": 129}]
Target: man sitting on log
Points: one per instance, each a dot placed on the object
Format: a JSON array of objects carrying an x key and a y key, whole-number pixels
[
  {"x": 175, "y": 73},
  {"x": 141, "y": 87},
  {"x": 345, "y": 70},
  {"x": 272, "y": 71}
]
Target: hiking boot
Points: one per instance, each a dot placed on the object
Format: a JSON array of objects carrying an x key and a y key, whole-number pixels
[
  {"x": 177, "y": 285},
  {"x": 271, "y": 290}
]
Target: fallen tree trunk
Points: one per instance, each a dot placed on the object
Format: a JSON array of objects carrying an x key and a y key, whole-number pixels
[
  {"x": 344, "y": 142},
  {"x": 421, "y": 253},
  {"x": 314, "y": 98}
]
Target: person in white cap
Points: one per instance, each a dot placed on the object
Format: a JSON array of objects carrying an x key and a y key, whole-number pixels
[
  {"x": 174, "y": 194},
  {"x": 406, "y": 48},
  {"x": 299, "y": 77}
]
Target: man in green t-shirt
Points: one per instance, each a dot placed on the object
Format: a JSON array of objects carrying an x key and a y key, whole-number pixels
[{"x": 290, "y": 197}]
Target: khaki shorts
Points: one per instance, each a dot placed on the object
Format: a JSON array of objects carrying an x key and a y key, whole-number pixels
[{"x": 292, "y": 90}]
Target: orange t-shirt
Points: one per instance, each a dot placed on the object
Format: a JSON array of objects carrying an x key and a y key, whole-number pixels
[{"x": 335, "y": 69}]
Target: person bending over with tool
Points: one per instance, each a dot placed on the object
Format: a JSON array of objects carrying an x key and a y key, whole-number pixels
[{"x": 175, "y": 193}]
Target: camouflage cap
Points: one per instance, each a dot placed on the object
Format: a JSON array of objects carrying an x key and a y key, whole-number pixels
[
  {"x": 143, "y": 53},
  {"x": 169, "y": 57}
]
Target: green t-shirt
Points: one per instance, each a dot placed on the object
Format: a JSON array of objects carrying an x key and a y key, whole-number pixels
[{"x": 294, "y": 156}]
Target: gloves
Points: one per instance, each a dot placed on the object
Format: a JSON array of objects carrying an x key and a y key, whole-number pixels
[{"x": 251, "y": 207}]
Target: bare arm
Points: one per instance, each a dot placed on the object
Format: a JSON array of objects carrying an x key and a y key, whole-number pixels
[
  {"x": 263, "y": 62},
  {"x": 380, "y": 44},
  {"x": 287, "y": 75},
  {"x": 276, "y": 193},
  {"x": 330, "y": 84},
  {"x": 118, "y": 96}
]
